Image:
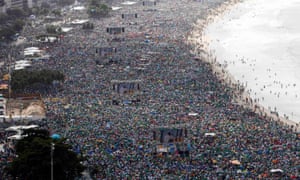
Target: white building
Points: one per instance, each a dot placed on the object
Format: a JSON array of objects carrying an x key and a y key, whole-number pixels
[{"x": 20, "y": 4}]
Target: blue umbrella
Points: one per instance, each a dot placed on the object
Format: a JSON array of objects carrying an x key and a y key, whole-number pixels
[{"x": 55, "y": 136}]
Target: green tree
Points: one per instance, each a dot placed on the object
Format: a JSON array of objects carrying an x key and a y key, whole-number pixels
[
  {"x": 51, "y": 29},
  {"x": 16, "y": 13},
  {"x": 7, "y": 32},
  {"x": 45, "y": 5},
  {"x": 3, "y": 18},
  {"x": 56, "y": 12},
  {"x": 33, "y": 159},
  {"x": 18, "y": 25},
  {"x": 98, "y": 9},
  {"x": 24, "y": 78},
  {"x": 65, "y": 2}
]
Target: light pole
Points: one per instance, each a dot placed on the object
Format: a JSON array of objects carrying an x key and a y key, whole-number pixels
[{"x": 52, "y": 150}]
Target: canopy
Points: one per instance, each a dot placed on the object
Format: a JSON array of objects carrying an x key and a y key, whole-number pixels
[
  {"x": 66, "y": 29},
  {"x": 55, "y": 136},
  {"x": 128, "y": 3},
  {"x": 114, "y": 8},
  {"x": 16, "y": 137},
  {"x": 210, "y": 134},
  {"x": 78, "y": 21},
  {"x": 78, "y": 8},
  {"x": 22, "y": 62},
  {"x": 3, "y": 86},
  {"x": 276, "y": 171},
  {"x": 6, "y": 77},
  {"x": 192, "y": 114},
  {"x": 161, "y": 149},
  {"x": 235, "y": 162},
  {"x": 16, "y": 128},
  {"x": 31, "y": 48}
]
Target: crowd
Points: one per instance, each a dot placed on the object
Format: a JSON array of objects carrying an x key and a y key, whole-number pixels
[{"x": 117, "y": 140}]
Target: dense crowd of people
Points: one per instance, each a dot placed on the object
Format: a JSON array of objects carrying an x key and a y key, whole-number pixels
[{"x": 117, "y": 139}]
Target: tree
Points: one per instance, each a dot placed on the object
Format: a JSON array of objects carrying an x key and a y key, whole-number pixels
[
  {"x": 3, "y": 18},
  {"x": 65, "y": 2},
  {"x": 7, "y": 32},
  {"x": 98, "y": 9},
  {"x": 18, "y": 25},
  {"x": 16, "y": 13},
  {"x": 51, "y": 29},
  {"x": 45, "y": 5},
  {"x": 24, "y": 78},
  {"x": 33, "y": 159},
  {"x": 56, "y": 12}
]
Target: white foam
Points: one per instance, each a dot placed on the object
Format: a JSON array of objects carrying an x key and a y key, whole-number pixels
[{"x": 259, "y": 40}]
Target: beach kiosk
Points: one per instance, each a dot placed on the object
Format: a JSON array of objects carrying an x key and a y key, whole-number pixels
[
  {"x": 126, "y": 92},
  {"x": 115, "y": 30},
  {"x": 170, "y": 141}
]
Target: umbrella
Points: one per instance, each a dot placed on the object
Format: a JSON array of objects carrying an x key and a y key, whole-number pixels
[
  {"x": 55, "y": 136},
  {"x": 235, "y": 162}
]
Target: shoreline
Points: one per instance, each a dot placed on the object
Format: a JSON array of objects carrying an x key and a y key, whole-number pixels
[{"x": 201, "y": 50}]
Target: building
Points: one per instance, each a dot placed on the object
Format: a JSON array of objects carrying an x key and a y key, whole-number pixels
[
  {"x": 18, "y": 4},
  {"x": 2, "y": 6}
]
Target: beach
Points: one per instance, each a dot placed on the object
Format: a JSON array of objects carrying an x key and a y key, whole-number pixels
[
  {"x": 163, "y": 60},
  {"x": 258, "y": 67}
]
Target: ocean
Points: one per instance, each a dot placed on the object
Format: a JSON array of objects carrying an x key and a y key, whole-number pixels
[{"x": 258, "y": 42}]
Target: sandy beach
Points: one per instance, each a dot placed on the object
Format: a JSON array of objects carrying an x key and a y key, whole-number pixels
[
  {"x": 159, "y": 105},
  {"x": 205, "y": 52}
]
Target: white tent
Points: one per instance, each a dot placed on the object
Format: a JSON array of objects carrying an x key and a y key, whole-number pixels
[
  {"x": 12, "y": 128},
  {"x": 32, "y": 51},
  {"x": 276, "y": 171},
  {"x": 29, "y": 126},
  {"x": 22, "y": 62},
  {"x": 31, "y": 48},
  {"x": 193, "y": 114},
  {"x": 66, "y": 29},
  {"x": 19, "y": 68},
  {"x": 23, "y": 65},
  {"x": 78, "y": 21},
  {"x": 17, "y": 128},
  {"x": 114, "y": 8},
  {"x": 78, "y": 8},
  {"x": 210, "y": 134},
  {"x": 15, "y": 137},
  {"x": 128, "y": 3}
]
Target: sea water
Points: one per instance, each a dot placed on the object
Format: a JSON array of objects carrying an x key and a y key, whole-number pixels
[{"x": 258, "y": 42}]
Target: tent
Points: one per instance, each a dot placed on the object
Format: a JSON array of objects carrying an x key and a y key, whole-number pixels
[
  {"x": 128, "y": 3},
  {"x": 22, "y": 62},
  {"x": 114, "y": 8},
  {"x": 276, "y": 171},
  {"x": 15, "y": 137},
  {"x": 5, "y": 77},
  {"x": 31, "y": 48},
  {"x": 78, "y": 21},
  {"x": 3, "y": 86},
  {"x": 235, "y": 162},
  {"x": 210, "y": 134},
  {"x": 17, "y": 128},
  {"x": 161, "y": 148},
  {"x": 193, "y": 114}
]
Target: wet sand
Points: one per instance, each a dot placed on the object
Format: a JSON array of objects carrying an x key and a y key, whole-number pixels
[{"x": 201, "y": 42}]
